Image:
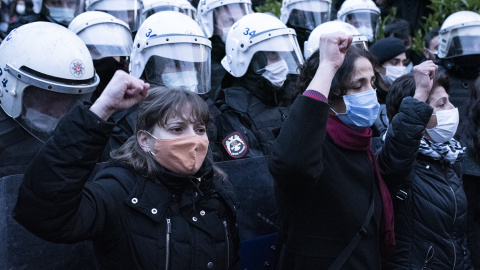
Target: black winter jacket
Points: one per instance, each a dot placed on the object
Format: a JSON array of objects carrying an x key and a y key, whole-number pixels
[
  {"x": 173, "y": 222},
  {"x": 430, "y": 221},
  {"x": 323, "y": 193}
]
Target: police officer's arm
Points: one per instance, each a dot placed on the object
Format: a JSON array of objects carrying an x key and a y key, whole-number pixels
[{"x": 55, "y": 202}]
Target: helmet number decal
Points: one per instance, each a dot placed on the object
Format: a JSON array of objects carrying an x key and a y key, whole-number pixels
[
  {"x": 248, "y": 32},
  {"x": 4, "y": 82},
  {"x": 149, "y": 33}
]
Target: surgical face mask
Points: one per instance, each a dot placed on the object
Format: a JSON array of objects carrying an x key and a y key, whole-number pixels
[
  {"x": 276, "y": 73},
  {"x": 366, "y": 31},
  {"x": 447, "y": 123},
  {"x": 61, "y": 15},
  {"x": 186, "y": 80},
  {"x": 362, "y": 109},
  {"x": 39, "y": 121},
  {"x": 393, "y": 73},
  {"x": 183, "y": 155},
  {"x": 409, "y": 68},
  {"x": 20, "y": 9},
  {"x": 225, "y": 34}
]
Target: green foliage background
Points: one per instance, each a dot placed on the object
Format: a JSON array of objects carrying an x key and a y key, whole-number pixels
[{"x": 441, "y": 9}]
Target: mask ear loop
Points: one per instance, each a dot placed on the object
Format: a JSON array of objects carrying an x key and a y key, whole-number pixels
[{"x": 150, "y": 152}]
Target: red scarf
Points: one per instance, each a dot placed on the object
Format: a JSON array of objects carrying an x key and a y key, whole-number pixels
[{"x": 361, "y": 140}]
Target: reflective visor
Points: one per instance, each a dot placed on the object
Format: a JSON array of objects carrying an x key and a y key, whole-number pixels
[
  {"x": 157, "y": 9},
  {"x": 309, "y": 14},
  {"x": 114, "y": 40},
  {"x": 263, "y": 58},
  {"x": 365, "y": 22},
  {"x": 225, "y": 16},
  {"x": 464, "y": 41}
]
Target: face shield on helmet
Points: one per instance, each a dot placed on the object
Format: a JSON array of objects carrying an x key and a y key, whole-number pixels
[
  {"x": 103, "y": 34},
  {"x": 177, "y": 56},
  {"x": 183, "y": 66},
  {"x": 305, "y": 14},
  {"x": 62, "y": 11},
  {"x": 38, "y": 95},
  {"x": 151, "y": 7},
  {"x": 216, "y": 17},
  {"x": 312, "y": 44},
  {"x": 363, "y": 14},
  {"x": 460, "y": 36},
  {"x": 129, "y": 11},
  {"x": 261, "y": 40}
]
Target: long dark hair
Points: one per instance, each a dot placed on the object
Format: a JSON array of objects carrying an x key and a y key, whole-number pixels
[
  {"x": 470, "y": 124},
  {"x": 342, "y": 78},
  {"x": 160, "y": 105}
]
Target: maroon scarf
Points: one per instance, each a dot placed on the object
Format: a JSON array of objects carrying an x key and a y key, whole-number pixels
[{"x": 361, "y": 140}]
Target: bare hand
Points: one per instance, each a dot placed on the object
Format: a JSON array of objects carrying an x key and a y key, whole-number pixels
[
  {"x": 332, "y": 49},
  {"x": 122, "y": 92},
  {"x": 424, "y": 74}
]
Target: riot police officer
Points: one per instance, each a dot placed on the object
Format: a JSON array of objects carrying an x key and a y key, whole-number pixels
[{"x": 363, "y": 14}]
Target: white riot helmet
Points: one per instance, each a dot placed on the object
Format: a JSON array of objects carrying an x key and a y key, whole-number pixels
[
  {"x": 129, "y": 11},
  {"x": 363, "y": 14},
  {"x": 259, "y": 40},
  {"x": 170, "y": 49},
  {"x": 306, "y": 14},
  {"x": 218, "y": 16},
  {"x": 460, "y": 35},
  {"x": 59, "y": 11},
  {"x": 151, "y": 7},
  {"x": 44, "y": 68},
  {"x": 103, "y": 34},
  {"x": 311, "y": 45}
]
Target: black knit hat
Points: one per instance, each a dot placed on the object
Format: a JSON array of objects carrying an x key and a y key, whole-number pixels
[{"x": 387, "y": 48}]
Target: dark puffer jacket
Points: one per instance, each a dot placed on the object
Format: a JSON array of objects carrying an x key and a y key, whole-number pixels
[
  {"x": 430, "y": 221},
  {"x": 173, "y": 222}
]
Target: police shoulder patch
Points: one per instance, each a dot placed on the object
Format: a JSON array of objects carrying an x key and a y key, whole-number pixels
[{"x": 235, "y": 145}]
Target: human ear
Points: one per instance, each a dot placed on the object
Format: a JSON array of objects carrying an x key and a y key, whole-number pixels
[{"x": 143, "y": 140}]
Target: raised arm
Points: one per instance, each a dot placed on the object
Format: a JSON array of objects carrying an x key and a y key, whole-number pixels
[
  {"x": 397, "y": 157},
  {"x": 297, "y": 152},
  {"x": 52, "y": 193}
]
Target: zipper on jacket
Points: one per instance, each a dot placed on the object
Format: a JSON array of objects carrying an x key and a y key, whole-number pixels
[
  {"x": 428, "y": 257},
  {"x": 167, "y": 246},
  {"x": 227, "y": 243}
]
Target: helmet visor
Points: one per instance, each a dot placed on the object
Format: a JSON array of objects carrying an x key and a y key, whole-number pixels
[
  {"x": 42, "y": 110},
  {"x": 107, "y": 39},
  {"x": 262, "y": 59},
  {"x": 365, "y": 22},
  {"x": 464, "y": 41},
  {"x": 157, "y": 9},
  {"x": 127, "y": 11},
  {"x": 225, "y": 16},
  {"x": 63, "y": 11},
  {"x": 186, "y": 66},
  {"x": 309, "y": 14}
]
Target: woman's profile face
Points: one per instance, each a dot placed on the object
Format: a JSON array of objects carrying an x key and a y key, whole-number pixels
[
  {"x": 362, "y": 80},
  {"x": 438, "y": 99}
]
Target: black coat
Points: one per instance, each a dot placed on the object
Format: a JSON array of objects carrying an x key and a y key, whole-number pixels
[
  {"x": 430, "y": 222},
  {"x": 323, "y": 193},
  {"x": 134, "y": 223}
]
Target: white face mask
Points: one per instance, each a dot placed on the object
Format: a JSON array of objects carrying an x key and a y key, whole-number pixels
[
  {"x": 20, "y": 9},
  {"x": 39, "y": 121},
  {"x": 61, "y": 15},
  {"x": 186, "y": 80},
  {"x": 409, "y": 68},
  {"x": 393, "y": 73},
  {"x": 225, "y": 33},
  {"x": 276, "y": 73},
  {"x": 447, "y": 123}
]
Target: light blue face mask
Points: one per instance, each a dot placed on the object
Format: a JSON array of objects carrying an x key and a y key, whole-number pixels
[
  {"x": 362, "y": 109},
  {"x": 186, "y": 80},
  {"x": 61, "y": 15}
]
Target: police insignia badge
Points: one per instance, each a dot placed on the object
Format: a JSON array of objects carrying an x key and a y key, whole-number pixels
[{"x": 235, "y": 145}]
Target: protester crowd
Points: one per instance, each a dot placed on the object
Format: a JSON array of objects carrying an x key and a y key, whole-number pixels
[{"x": 119, "y": 117}]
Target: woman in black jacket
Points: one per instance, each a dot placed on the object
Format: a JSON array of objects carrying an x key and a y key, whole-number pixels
[
  {"x": 420, "y": 164},
  {"x": 335, "y": 208},
  {"x": 160, "y": 205}
]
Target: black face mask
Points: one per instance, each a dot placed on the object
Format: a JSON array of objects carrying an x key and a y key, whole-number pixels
[{"x": 106, "y": 68}]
